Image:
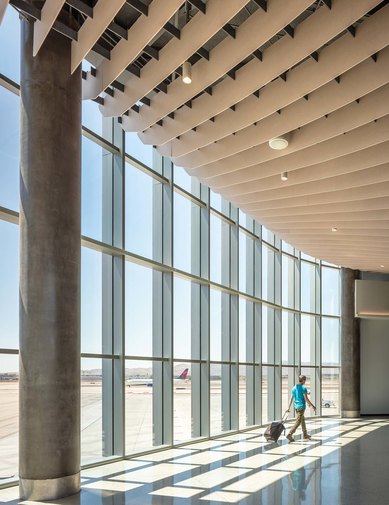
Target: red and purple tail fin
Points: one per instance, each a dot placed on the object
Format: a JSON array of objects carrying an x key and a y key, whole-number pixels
[{"x": 184, "y": 374}]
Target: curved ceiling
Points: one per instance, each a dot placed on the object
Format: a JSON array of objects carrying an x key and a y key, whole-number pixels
[{"x": 315, "y": 72}]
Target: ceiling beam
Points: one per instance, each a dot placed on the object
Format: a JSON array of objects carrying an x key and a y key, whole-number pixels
[
  {"x": 42, "y": 27},
  {"x": 123, "y": 55},
  {"x": 93, "y": 28}
]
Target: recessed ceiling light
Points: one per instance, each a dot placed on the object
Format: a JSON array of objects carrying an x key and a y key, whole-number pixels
[
  {"x": 186, "y": 72},
  {"x": 284, "y": 176},
  {"x": 382, "y": 266},
  {"x": 278, "y": 143},
  {"x": 334, "y": 229}
]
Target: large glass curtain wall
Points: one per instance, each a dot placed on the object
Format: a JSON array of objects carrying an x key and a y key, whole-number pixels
[{"x": 196, "y": 320}]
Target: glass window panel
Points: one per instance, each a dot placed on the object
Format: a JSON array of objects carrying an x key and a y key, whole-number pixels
[
  {"x": 267, "y": 273},
  {"x": 186, "y": 235},
  {"x": 268, "y": 235},
  {"x": 138, "y": 406},
  {"x": 288, "y": 281},
  {"x": 308, "y": 287},
  {"x": 141, "y": 296},
  {"x": 311, "y": 383},
  {"x": 330, "y": 285},
  {"x": 288, "y": 343},
  {"x": 245, "y": 263},
  {"x": 9, "y": 285},
  {"x": 287, "y": 248},
  {"x": 268, "y": 393},
  {"x": 268, "y": 334},
  {"x": 219, "y": 250},
  {"x": 182, "y": 402},
  {"x": 215, "y": 200},
  {"x": 219, "y": 385},
  {"x": 185, "y": 181},
  {"x": 242, "y": 329},
  {"x": 9, "y": 416},
  {"x": 242, "y": 391},
  {"x": 92, "y": 117},
  {"x": 92, "y": 429},
  {"x": 95, "y": 161},
  {"x": 215, "y": 324},
  {"x": 10, "y": 42},
  {"x": 142, "y": 202},
  {"x": 9, "y": 148},
  {"x": 307, "y": 339},
  {"x": 136, "y": 149},
  {"x": 330, "y": 348},
  {"x": 186, "y": 317},
  {"x": 91, "y": 301},
  {"x": 330, "y": 387},
  {"x": 307, "y": 257},
  {"x": 287, "y": 383}
]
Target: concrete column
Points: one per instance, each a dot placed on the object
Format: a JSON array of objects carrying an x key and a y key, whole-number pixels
[
  {"x": 350, "y": 355},
  {"x": 49, "y": 270}
]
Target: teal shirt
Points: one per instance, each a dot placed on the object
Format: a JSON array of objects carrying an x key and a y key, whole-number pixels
[{"x": 298, "y": 393}]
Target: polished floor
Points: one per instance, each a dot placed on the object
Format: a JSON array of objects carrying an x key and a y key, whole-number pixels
[{"x": 346, "y": 462}]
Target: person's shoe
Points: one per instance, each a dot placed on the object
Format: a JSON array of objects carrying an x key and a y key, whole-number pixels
[
  {"x": 307, "y": 437},
  {"x": 290, "y": 437}
]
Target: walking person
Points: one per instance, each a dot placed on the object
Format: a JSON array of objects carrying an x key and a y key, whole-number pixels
[{"x": 300, "y": 398}]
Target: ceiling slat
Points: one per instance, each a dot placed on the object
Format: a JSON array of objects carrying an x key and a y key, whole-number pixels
[
  {"x": 310, "y": 35},
  {"x": 365, "y": 177},
  {"x": 125, "y": 52},
  {"x": 42, "y": 27},
  {"x": 270, "y": 164},
  {"x": 93, "y": 28},
  {"x": 193, "y": 35},
  {"x": 356, "y": 83},
  {"x": 252, "y": 34}
]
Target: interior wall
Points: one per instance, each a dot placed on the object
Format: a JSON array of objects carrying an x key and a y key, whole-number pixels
[{"x": 374, "y": 361}]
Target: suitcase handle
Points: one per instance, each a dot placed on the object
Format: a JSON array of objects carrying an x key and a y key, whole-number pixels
[{"x": 285, "y": 416}]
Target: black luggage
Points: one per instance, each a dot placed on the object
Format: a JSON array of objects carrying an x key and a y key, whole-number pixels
[{"x": 274, "y": 430}]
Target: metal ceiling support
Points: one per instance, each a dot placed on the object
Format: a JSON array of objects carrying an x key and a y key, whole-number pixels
[
  {"x": 162, "y": 87},
  {"x": 256, "y": 93},
  {"x": 93, "y": 28},
  {"x": 82, "y": 7},
  {"x": 135, "y": 108},
  {"x": 232, "y": 74},
  {"x": 289, "y": 30},
  {"x": 284, "y": 76},
  {"x": 258, "y": 54},
  {"x": 102, "y": 51},
  {"x": 203, "y": 53},
  {"x": 374, "y": 57},
  {"x": 230, "y": 30},
  {"x": 27, "y": 8},
  {"x": 139, "y": 6},
  {"x": 189, "y": 104},
  {"x": 208, "y": 90},
  {"x": 171, "y": 115},
  {"x": 337, "y": 79},
  {"x": 262, "y": 4},
  {"x": 306, "y": 97},
  {"x": 199, "y": 4},
  {"x": 118, "y": 30},
  {"x": 49, "y": 13},
  {"x": 99, "y": 100},
  {"x": 151, "y": 51},
  {"x": 145, "y": 101},
  {"x": 352, "y": 30},
  {"x": 133, "y": 69},
  {"x": 233, "y": 107},
  {"x": 118, "y": 85},
  {"x": 109, "y": 91},
  {"x": 328, "y": 3},
  {"x": 315, "y": 55},
  {"x": 170, "y": 28}
]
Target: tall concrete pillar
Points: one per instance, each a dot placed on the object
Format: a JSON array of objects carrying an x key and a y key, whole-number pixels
[
  {"x": 49, "y": 451},
  {"x": 350, "y": 355}
]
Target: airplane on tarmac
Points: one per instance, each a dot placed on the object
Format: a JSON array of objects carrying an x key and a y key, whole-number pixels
[{"x": 149, "y": 382}]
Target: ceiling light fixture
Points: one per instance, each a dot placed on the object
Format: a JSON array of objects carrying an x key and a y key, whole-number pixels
[
  {"x": 284, "y": 176},
  {"x": 278, "y": 143},
  {"x": 382, "y": 266},
  {"x": 186, "y": 72},
  {"x": 334, "y": 229}
]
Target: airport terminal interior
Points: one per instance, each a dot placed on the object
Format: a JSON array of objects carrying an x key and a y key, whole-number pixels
[{"x": 194, "y": 211}]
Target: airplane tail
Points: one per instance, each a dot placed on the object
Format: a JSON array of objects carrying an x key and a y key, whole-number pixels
[{"x": 183, "y": 374}]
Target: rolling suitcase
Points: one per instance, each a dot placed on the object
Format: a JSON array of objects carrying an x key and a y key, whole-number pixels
[{"x": 274, "y": 430}]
